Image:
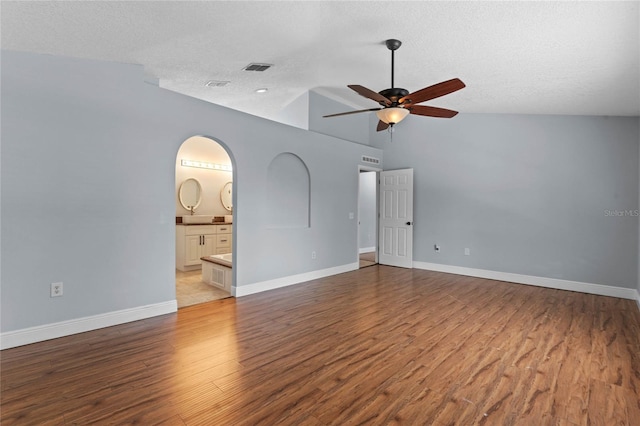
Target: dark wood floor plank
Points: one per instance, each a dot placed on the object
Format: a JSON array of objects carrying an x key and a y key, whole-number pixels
[{"x": 380, "y": 345}]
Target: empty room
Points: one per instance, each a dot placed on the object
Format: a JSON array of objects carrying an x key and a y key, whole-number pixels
[{"x": 320, "y": 213}]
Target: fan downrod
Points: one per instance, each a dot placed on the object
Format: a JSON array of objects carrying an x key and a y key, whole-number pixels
[{"x": 394, "y": 93}]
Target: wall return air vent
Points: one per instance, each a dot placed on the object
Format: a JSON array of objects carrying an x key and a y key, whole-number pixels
[{"x": 370, "y": 160}]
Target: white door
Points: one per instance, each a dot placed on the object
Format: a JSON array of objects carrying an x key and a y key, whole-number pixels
[{"x": 396, "y": 218}]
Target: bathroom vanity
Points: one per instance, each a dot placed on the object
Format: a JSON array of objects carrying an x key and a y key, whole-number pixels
[{"x": 194, "y": 241}]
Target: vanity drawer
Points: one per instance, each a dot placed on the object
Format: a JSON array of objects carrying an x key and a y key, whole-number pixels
[
  {"x": 223, "y": 240},
  {"x": 200, "y": 229},
  {"x": 223, "y": 229}
]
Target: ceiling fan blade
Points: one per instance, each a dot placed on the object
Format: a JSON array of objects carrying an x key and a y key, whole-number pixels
[
  {"x": 368, "y": 93},
  {"x": 351, "y": 112},
  {"x": 381, "y": 126},
  {"x": 430, "y": 111},
  {"x": 433, "y": 92}
]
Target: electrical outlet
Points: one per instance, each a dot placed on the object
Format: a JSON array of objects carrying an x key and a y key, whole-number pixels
[
  {"x": 56, "y": 289},
  {"x": 467, "y": 251},
  {"x": 313, "y": 254},
  {"x": 436, "y": 247}
]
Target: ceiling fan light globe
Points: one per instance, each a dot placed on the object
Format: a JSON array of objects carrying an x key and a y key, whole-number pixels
[{"x": 392, "y": 115}]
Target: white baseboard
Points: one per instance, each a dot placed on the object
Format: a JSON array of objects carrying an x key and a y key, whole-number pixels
[
  {"x": 366, "y": 250},
  {"x": 599, "y": 289},
  {"x": 11, "y": 339},
  {"x": 638, "y": 299},
  {"x": 245, "y": 290}
]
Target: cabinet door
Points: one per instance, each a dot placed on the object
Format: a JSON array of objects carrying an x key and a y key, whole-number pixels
[
  {"x": 193, "y": 246},
  {"x": 209, "y": 246}
]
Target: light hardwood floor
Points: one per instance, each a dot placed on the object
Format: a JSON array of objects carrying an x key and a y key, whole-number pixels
[{"x": 379, "y": 345}]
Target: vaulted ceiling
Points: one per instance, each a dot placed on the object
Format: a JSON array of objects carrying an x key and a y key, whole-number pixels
[{"x": 545, "y": 57}]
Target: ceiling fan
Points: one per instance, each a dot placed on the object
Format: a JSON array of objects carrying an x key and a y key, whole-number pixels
[{"x": 396, "y": 103}]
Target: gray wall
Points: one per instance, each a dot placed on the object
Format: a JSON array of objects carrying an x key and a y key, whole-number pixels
[
  {"x": 352, "y": 127},
  {"x": 296, "y": 113},
  {"x": 526, "y": 194},
  {"x": 288, "y": 186},
  {"x": 88, "y": 178}
]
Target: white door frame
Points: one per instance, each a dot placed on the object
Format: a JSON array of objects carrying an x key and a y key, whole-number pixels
[{"x": 362, "y": 168}]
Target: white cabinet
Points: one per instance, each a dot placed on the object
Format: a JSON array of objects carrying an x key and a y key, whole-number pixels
[
  {"x": 223, "y": 239},
  {"x": 198, "y": 246},
  {"x": 196, "y": 241}
]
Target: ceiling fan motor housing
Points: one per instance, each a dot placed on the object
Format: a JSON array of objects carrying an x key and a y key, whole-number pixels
[{"x": 394, "y": 94}]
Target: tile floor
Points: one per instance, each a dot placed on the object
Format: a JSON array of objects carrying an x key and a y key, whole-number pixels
[
  {"x": 367, "y": 259},
  {"x": 190, "y": 290}
]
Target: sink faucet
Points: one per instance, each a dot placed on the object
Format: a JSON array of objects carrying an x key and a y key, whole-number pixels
[{"x": 191, "y": 210}]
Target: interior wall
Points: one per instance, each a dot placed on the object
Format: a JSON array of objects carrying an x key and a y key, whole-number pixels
[
  {"x": 527, "y": 194},
  {"x": 367, "y": 209},
  {"x": 352, "y": 127},
  {"x": 296, "y": 113},
  {"x": 198, "y": 148},
  {"x": 88, "y": 178}
]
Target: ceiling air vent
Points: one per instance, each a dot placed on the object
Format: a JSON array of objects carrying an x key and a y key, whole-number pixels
[
  {"x": 370, "y": 160},
  {"x": 257, "y": 67},
  {"x": 216, "y": 83}
]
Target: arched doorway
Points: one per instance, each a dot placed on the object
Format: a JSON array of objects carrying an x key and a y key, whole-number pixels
[{"x": 204, "y": 221}]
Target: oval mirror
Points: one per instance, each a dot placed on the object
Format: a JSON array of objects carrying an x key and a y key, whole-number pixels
[
  {"x": 226, "y": 196},
  {"x": 190, "y": 194}
]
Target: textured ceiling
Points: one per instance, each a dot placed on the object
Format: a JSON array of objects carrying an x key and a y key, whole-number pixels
[{"x": 515, "y": 57}]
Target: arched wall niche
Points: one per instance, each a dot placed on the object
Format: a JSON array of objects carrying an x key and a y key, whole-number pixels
[{"x": 288, "y": 192}]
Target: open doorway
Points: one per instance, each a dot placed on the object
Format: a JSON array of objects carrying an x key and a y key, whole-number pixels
[
  {"x": 204, "y": 222},
  {"x": 367, "y": 217}
]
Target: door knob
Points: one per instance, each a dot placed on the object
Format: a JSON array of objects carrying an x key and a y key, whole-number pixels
[{"x": 409, "y": 223}]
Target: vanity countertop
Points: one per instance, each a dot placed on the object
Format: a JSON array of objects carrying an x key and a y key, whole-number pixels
[
  {"x": 179, "y": 222},
  {"x": 201, "y": 224}
]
